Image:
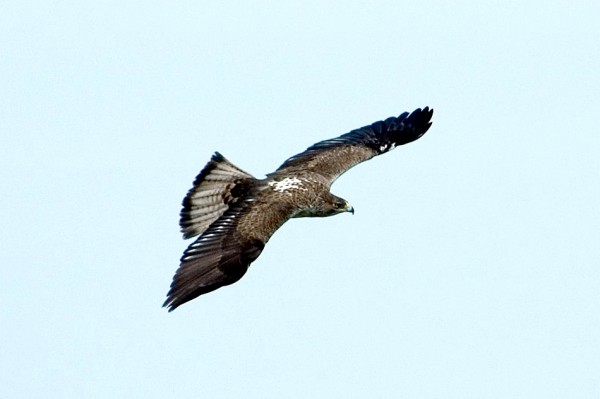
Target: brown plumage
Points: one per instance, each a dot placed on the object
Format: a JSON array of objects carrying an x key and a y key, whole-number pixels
[{"x": 235, "y": 214}]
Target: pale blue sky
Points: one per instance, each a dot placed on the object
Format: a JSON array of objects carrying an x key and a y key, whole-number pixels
[{"x": 471, "y": 268}]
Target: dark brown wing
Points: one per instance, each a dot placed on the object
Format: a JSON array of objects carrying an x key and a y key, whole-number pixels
[
  {"x": 223, "y": 253},
  {"x": 331, "y": 158}
]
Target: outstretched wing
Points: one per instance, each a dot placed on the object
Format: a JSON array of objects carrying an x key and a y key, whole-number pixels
[
  {"x": 218, "y": 257},
  {"x": 331, "y": 158},
  {"x": 223, "y": 253}
]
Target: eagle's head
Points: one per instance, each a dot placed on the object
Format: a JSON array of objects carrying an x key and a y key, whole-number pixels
[
  {"x": 339, "y": 205},
  {"x": 325, "y": 205}
]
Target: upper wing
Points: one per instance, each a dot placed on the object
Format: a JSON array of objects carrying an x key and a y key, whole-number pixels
[
  {"x": 223, "y": 253},
  {"x": 331, "y": 158}
]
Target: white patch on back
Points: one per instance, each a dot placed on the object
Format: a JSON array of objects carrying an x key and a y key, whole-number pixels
[{"x": 287, "y": 184}]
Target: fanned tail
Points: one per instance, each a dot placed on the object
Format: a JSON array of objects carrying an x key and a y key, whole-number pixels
[{"x": 219, "y": 185}]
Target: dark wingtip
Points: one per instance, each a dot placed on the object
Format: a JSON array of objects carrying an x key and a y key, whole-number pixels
[
  {"x": 419, "y": 120},
  {"x": 425, "y": 120},
  {"x": 168, "y": 303},
  {"x": 408, "y": 127},
  {"x": 173, "y": 302},
  {"x": 170, "y": 308}
]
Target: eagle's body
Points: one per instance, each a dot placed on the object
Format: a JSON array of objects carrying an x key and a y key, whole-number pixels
[{"x": 235, "y": 214}]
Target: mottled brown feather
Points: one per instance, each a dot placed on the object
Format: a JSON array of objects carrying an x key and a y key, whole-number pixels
[{"x": 331, "y": 158}]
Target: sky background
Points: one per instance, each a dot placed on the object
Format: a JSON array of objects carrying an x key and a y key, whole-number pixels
[{"x": 471, "y": 268}]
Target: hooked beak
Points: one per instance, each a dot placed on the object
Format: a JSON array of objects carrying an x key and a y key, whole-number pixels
[{"x": 349, "y": 208}]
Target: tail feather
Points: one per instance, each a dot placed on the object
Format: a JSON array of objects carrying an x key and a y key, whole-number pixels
[{"x": 211, "y": 195}]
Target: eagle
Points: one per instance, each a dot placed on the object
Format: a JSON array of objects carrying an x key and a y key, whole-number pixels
[{"x": 234, "y": 214}]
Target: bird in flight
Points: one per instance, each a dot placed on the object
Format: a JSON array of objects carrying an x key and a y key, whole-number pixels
[{"x": 234, "y": 214}]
